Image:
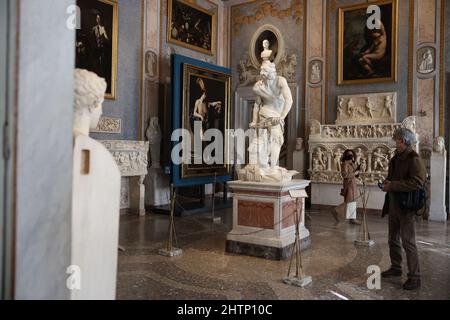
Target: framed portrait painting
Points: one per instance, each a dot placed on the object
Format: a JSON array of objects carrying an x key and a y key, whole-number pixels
[
  {"x": 367, "y": 52},
  {"x": 191, "y": 26},
  {"x": 201, "y": 107},
  {"x": 96, "y": 40}
]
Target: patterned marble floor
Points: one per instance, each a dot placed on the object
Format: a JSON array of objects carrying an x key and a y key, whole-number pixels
[{"x": 206, "y": 272}]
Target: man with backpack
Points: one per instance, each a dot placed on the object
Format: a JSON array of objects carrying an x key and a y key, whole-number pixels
[{"x": 405, "y": 197}]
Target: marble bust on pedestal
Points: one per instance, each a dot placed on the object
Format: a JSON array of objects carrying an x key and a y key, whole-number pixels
[
  {"x": 438, "y": 177},
  {"x": 95, "y": 197}
]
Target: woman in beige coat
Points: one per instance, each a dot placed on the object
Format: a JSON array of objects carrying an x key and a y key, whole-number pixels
[{"x": 349, "y": 172}]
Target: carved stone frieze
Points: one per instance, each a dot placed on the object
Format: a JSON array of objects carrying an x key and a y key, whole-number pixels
[
  {"x": 372, "y": 144},
  {"x": 108, "y": 125},
  {"x": 367, "y": 108},
  {"x": 131, "y": 156}
]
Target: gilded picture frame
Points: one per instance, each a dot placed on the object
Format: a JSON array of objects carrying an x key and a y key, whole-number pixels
[
  {"x": 367, "y": 56},
  {"x": 216, "y": 86},
  {"x": 191, "y": 26},
  {"x": 96, "y": 43}
]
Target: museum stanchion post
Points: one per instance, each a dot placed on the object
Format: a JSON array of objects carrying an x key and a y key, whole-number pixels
[
  {"x": 171, "y": 250},
  {"x": 300, "y": 279},
  {"x": 364, "y": 239}
]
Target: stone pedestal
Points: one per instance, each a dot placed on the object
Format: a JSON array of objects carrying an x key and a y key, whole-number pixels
[
  {"x": 298, "y": 163},
  {"x": 158, "y": 188},
  {"x": 132, "y": 159},
  {"x": 263, "y": 219},
  {"x": 329, "y": 195},
  {"x": 438, "y": 175}
]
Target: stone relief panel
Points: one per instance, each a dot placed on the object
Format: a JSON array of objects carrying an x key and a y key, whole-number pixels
[
  {"x": 367, "y": 109},
  {"x": 315, "y": 72},
  {"x": 131, "y": 156},
  {"x": 372, "y": 144},
  {"x": 151, "y": 65},
  {"x": 108, "y": 125},
  {"x": 426, "y": 60}
]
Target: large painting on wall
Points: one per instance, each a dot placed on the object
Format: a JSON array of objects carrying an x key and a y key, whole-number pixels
[
  {"x": 191, "y": 26},
  {"x": 368, "y": 55},
  {"x": 96, "y": 40},
  {"x": 201, "y": 107}
]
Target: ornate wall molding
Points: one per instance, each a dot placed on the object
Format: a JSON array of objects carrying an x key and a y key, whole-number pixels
[
  {"x": 266, "y": 9},
  {"x": 249, "y": 73},
  {"x": 109, "y": 125}
]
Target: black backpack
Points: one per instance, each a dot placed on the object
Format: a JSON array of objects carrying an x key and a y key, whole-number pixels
[{"x": 413, "y": 201}]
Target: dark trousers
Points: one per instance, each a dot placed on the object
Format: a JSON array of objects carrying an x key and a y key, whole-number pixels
[{"x": 402, "y": 227}]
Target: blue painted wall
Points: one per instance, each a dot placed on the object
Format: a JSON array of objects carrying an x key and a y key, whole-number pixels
[{"x": 126, "y": 105}]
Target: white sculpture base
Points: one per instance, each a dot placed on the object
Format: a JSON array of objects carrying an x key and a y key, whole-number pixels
[
  {"x": 368, "y": 243},
  {"x": 95, "y": 220},
  {"x": 263, "y": 219},
  {"x": 296, "y": 282},
  {"x": 256, "y": 173},
  {"x": 158, "y": 188},
  {"x": 329, "y": 195},
  {"x": 438, "y": 167}
]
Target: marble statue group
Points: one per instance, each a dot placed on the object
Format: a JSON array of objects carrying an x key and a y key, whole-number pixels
[{"x": 272, "y": 106}]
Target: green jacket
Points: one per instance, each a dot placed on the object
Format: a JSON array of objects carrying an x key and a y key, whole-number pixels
[{"x": 406, "y": 173}]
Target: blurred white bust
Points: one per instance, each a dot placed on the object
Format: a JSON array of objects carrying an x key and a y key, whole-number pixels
[
  {"x": 439, "y": 145},
  {"x": 89, "y": 95}
]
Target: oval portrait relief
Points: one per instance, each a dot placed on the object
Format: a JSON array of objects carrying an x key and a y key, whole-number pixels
[{"x": 276, "y": 45}]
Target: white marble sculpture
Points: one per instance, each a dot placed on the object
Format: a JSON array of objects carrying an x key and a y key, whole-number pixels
[
  {"x": 438, "y": 176},
  {"x": 388, "y": 104},
  {"x": 267, "y": 53},
  {"x": 377, "y": 108},
  {"x": 272, "y": 105},
  {"x": 96, "y": 196},
  {"x": 154, "y": 137}
]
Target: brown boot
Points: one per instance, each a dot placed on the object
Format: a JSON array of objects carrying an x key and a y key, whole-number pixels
[
  {"x": 412, "y": 284},
  {"x": 391, "y": 272}
]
